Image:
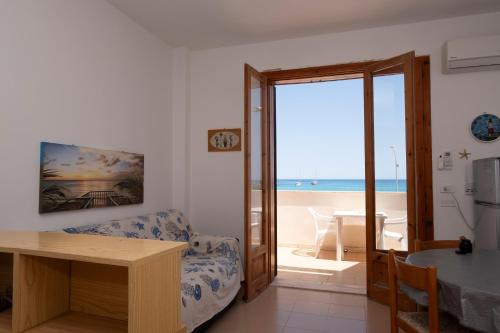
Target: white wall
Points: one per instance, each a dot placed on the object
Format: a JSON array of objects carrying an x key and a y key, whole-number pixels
[
  {"x": 79, "y": 72},
  {"x": 180, "y": 130},
  {"x": 216, "y": 94}
]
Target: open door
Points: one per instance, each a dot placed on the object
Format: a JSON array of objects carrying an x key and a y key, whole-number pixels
[
  {"x": 259, "y": 182},
  {"x": 412, "y": 160},
  {"x": 389, "y": 92}
]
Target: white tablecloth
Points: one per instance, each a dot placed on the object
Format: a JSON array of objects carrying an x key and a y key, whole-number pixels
[{"x": 469, "y": 286}]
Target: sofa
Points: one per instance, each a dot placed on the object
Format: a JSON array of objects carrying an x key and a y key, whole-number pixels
[{"x": 212, "y": 270}]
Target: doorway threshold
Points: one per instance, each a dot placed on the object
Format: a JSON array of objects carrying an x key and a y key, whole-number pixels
[
  {"x": 311, "y": 285},
  {"x": 299, "y": 268}
]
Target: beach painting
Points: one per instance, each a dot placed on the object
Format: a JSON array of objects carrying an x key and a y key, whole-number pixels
[{"x": 73, "y": 178}]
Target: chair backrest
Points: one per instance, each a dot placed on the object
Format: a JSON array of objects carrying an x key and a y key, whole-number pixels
[
  {"x": 436, "y": 244},
  {"x": 318, "y": 218},
  {"x": 397, "y": 220},
  {"x": 424, "y": 279},
  {"x": 315, "y": 218},
  {"x": 400, "y": 221}
]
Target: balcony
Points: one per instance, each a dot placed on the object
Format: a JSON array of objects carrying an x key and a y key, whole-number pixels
[{"x": 298, "y": 265}]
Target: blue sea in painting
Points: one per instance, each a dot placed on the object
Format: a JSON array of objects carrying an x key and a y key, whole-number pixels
[{"x": 340, "y": 185}]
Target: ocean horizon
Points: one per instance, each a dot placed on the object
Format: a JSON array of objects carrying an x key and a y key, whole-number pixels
[{"x": 340, "y": 185}]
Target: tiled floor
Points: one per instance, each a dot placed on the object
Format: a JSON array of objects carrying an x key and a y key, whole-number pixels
[
  {"x": 288, "y": 310},
  {"x": 299, "y": 268}
]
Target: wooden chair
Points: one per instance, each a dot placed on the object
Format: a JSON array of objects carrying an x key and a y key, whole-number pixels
[
  {"x": 436, "y": 244},
  {"x": 424, "y": 279}
]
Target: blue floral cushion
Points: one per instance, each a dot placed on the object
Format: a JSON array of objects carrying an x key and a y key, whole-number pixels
[
  {"x": 211, "y": 277},
  {"x": 90, "y": 229},
  {"x": 165, "y": 225},
  {"x": 175, "y": 224},
  {"x": 169, "y": 225}
]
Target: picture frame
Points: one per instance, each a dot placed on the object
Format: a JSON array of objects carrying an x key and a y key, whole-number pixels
[
  {"x": 80, "y": 178},
  {"x": 224, "y": 140}
]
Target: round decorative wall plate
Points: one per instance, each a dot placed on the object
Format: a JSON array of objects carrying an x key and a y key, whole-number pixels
[{"x": 486, "y": 127}]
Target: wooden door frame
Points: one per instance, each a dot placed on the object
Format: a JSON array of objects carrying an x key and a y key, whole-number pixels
[
  {"x": 423, "y": 152},
  {"x": 423, "y": 149}
]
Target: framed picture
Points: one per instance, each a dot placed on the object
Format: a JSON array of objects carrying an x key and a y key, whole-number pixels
[
  {"x": 73, "y": 178},
  {"x": 486, "y": 128},
  {"x": 222, "y": 140}
]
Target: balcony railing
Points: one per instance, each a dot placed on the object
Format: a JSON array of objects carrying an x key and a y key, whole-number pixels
[{"x": 296, "y": 226}]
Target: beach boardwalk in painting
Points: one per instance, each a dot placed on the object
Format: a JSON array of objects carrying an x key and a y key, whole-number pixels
[{"x": 73, "y": 178}]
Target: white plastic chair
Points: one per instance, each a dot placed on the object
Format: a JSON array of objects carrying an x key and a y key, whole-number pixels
[
  {"x": 400, "y": 237},
  {"x": 322, "y": 224}
]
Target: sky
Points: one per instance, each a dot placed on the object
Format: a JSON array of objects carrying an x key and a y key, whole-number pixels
[
  {"x": 81, "y": 163},
  {"x": 320, "y": 129}
]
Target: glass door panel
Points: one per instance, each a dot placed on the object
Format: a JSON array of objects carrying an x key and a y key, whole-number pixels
[
  {"x": 256, "y": 198},
  {"x": 390, "y": 162},
  {"x": 257, "y": 184},
  {"x": 389, "y": 147}
]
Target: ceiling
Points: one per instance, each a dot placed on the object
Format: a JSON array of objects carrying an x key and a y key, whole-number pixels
[{"x": 199, "y": 24}]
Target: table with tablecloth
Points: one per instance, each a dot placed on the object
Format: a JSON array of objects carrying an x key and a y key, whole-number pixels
[{"x": 469, "y": 285}]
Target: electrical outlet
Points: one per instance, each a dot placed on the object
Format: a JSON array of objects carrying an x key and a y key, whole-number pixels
[{"x": 447, "y": 189}]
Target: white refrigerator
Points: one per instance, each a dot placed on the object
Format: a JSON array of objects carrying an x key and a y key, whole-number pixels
[{"x": 487, "y": 203}]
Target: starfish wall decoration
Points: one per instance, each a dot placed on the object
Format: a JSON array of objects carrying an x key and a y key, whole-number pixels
[{"x": 465, "y": 154}]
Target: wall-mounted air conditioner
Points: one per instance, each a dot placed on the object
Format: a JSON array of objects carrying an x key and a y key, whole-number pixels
[{"x": 471, "y": 54}]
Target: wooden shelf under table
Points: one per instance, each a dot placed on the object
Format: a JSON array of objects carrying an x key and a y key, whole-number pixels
[{"x": 81, "y": 323}]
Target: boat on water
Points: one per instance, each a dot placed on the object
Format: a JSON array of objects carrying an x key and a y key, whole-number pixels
[
  {"x": 314, "y": 181},
  {"x": 298, "y": 183}
]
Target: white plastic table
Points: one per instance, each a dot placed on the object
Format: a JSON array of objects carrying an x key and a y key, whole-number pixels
[{"x": 339, "y": 215}]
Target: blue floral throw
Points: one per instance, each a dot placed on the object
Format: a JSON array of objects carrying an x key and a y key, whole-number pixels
[{"x": 212, "y": 267}]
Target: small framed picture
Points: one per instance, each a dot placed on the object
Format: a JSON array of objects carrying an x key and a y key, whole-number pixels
[
  {"x": 486, "y": 127},
  {"x": 224, "y": 140}
]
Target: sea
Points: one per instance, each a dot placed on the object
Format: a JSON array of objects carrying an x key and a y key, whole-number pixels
[{"x": 340, "y": 185}]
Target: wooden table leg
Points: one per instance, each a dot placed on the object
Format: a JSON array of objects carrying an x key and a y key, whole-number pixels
[
  {"x": 154, "y": 295},
  {"x": 41, "y": 290}
]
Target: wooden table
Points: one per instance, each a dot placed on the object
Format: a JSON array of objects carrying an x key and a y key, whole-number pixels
[
  {"x": 339, "y": 216},
  {"x": 83, "y": 283},
  {"x": 469, "y": 285}
]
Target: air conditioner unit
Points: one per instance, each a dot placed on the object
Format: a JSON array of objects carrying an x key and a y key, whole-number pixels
[{"x": 471, "y": 54}]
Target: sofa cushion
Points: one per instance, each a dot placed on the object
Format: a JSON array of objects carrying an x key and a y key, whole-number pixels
[
  {"x": 142, "y": 226},
  {"x": 209, "y": 284},
  {"x": 165, "y": 225},
  {"x": 137, "y": 227},
  {"x": 175, "y": 225},
  {"x": 89, "y": 229}
]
